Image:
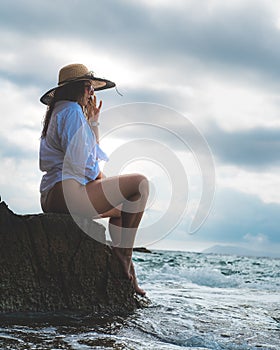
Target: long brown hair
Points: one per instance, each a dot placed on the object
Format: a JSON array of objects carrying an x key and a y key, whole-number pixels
[{"x": 70, "y": 92}]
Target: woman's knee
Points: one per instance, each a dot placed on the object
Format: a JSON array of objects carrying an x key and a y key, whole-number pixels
[
  {"x": 142, "y": 184},
  {"x": 113, "y": 213}
]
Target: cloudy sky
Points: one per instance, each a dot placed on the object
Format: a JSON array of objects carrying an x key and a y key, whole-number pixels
[{"x": 213, "y": 66}]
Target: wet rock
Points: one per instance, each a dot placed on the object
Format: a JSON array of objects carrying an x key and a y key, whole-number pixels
[{"x": 48, "y": 263}]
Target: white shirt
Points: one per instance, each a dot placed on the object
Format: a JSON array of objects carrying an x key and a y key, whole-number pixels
[{"x": 69, "y": 150}]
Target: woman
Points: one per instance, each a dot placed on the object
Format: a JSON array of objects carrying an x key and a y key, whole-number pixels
[{"x": 69, "y": 154}]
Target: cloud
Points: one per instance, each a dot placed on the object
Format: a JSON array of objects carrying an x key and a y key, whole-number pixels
[
  {"x": 222, "y": 37},
  {"x": 258, "y": 240},
  {"x": 256, "y": 148},
  {"x": 261, "y": 184},
  {"x": 11, "y": 150},
  {"x": 162, "y": 54},
  {"x": 238, "y": 223},
  {"x": 236, "y": 215}
]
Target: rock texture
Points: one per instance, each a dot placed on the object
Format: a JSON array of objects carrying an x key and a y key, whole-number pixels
[{"x": 47, "y": 263}]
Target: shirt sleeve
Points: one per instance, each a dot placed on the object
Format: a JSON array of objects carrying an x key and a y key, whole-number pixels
[
  {"x": 101, "y": 154},
  {"x": 79, "y": 146}
]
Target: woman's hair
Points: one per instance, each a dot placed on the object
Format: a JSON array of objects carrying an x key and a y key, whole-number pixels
[{"x": 70, "y": 92}]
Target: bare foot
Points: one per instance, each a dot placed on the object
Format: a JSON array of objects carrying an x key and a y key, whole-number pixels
[
  {"x": 137, "y": 289},
  {"x": 125, "y": 258}
]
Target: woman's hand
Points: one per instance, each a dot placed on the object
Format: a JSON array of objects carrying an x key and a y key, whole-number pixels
[{"x": 93, "y": 112}]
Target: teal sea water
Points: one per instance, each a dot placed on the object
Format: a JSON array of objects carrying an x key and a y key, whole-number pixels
[{"x": 196, "y": 301}]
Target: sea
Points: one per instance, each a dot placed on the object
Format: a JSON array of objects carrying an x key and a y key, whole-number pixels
[{"x": 194, "y": 301}]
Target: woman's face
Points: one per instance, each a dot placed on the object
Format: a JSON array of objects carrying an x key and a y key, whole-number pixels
[{"x": 89, "y": 91}]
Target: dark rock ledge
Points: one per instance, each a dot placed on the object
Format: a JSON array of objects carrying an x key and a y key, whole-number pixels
[{"x": 47, "y": 263}]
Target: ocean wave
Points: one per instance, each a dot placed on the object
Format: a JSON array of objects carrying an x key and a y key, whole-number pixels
[
  {"x": 209, "y": 271},
  {"x": 212, "y": 278},
  {"x": 200, "y": 276}
]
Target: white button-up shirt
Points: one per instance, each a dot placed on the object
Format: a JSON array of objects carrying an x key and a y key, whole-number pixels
[{"x": 69, "y": 150}]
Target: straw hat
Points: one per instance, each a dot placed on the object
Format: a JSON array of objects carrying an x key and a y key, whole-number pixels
[{"x": 75, "y": 72}]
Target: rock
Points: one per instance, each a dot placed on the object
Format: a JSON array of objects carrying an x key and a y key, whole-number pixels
[
  {"x": 142, "y": 250},
  {"x": 47, "y": 263}
]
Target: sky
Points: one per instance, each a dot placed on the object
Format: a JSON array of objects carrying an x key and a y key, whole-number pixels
[{"x": 197, "y": 106}]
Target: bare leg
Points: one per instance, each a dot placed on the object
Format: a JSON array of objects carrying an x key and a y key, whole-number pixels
[
  {"x": 115, "y": 229},
  {"x": 123, "y": 231},
  {"x": 125, "y": 256}
]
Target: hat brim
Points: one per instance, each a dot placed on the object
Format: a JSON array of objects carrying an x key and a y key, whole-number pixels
[{"x": 97, "y": 83}]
